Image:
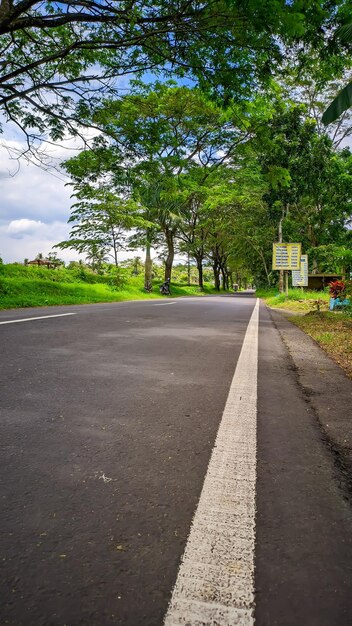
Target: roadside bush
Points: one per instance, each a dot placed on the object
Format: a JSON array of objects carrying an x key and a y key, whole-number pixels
[
  {"x": 3, "y": 287},
  {"x": 118, "y": 277},
  {"x": 337, "y": 289}
]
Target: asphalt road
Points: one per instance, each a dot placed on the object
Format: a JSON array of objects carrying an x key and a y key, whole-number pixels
[{"x": 108, "y": 419}]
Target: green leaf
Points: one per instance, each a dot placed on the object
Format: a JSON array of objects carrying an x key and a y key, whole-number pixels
[
  {"x": 344, "y": 33},
  {"x": 341, "y": 103}
]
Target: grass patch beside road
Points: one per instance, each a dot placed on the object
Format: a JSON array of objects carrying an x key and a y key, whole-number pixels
[
  {"x": 33, "y": 287},
  {"x": 331, "y": 330},
  {"x": 32, "y": 293},
  {"x": 296, "y": 301}
]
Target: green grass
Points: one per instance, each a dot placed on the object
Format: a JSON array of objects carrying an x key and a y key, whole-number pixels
[
  {"x": 326, "y": 337},
  {"x": 32, "y": 287},
  {"x": 298, "y": 300},
  {"x": 332, "y": 331}
]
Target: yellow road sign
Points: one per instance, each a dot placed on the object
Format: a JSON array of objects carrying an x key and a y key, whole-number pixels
[{"x": 287, "y": 256}]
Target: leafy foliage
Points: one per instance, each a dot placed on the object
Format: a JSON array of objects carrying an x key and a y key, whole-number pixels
[
  {"x": 169, "y": 143},
  {"x": 215, "y": 182},
  {"x": 339, "y": 105},
  {"x": 58, "y": 59},
  {"x": 337, "y": 289},
  {"x": 100, "y": 221}
]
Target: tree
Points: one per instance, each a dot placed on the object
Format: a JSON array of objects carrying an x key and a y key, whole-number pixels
[
  {"x": 58, "y": 58},
  {"x": 147, "y": 193},
  {"x": 308, "y": 184},
  {"x": 333, "y": 258},
  {"x": 137, "y": 265},
  {"x": 196, "y": 226},
  {"x": 100, "y": 221},
  {"x": 96, "y": 255},
  {"x": 242, "y": 219},
  {"x": 312, "y": 87},
  {"x": 54, "y": 260},
  {"x": 193, "y": 233},
  {"x": 163, "y": 134}
]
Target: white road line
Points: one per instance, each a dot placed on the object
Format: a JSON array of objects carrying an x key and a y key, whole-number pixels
[
  {"x": 215, "y": 583},
  {"x": 165, "y": 303},
  {"x": 42, "y": 317}
]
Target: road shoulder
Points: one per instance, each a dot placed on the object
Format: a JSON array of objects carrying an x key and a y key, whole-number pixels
[
  {"x": 326, "y": 388},
  {"x": 303, "y": 524}
]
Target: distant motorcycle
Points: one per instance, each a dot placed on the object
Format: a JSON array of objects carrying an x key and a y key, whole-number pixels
[{"x": 165, "y": 288}]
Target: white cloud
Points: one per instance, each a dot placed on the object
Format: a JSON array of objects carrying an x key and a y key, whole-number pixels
[
  {"x": 19, "y": 228},
  {"x": 32, "y": 193},
  {"x": 24, "y": 238}
]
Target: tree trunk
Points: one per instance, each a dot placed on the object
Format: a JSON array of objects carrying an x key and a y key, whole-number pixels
[
  {"x": 200, "y": 273},
  {"x": 188, "y": 270},
  {"x": 265, "y": 267},
  {"x": 313, "y": 244},
  {"x": 281, "y": 274},
  {"x": 115, "y": 256},
  {"x": 216, "y": 271},
  {"x": 148, "y": 267},
  {"x": 170, "y": 254},
  {"x": 227, "y": 276},
  {"x": 223, "y": 279},
  {"x": 114, "y": 245}
]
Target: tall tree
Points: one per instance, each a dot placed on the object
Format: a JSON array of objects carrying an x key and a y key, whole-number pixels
[
  {"x": 162, "y": 133},
  {"x": 196, "y": 226},
  {"x": 100, "y": 220},
  {"x": 241, "y": 217}
]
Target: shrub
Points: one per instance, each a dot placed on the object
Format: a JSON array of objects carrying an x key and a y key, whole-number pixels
[
  {"x": 3, "y": 287},
  {"x": 337, "y": 289},
  {"x": 118, "y": 277}
]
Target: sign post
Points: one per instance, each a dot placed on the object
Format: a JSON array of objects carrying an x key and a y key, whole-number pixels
[
  {"x": 287, "y": 256},
  {"x": 300, "y": 277}
]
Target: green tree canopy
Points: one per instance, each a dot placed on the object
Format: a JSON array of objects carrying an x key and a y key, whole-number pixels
[
  {"x": 159, "y": 136},
  {"x": 58, "y": 58},
  {"x": 100, "y": 220}
]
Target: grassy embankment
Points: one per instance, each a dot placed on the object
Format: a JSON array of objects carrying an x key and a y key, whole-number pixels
[
  {"x": 332, "y": 330},
  {"x": 22, "y": 286}
]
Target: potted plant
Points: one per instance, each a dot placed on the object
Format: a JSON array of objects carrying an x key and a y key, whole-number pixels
[{"x": 338, "y": 290}]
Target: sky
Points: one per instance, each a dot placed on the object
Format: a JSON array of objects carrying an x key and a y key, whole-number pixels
[{"x": 34, "y": 203}]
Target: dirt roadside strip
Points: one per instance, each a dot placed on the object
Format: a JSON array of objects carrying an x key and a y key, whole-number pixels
[{"x": 328, "y": 391}]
